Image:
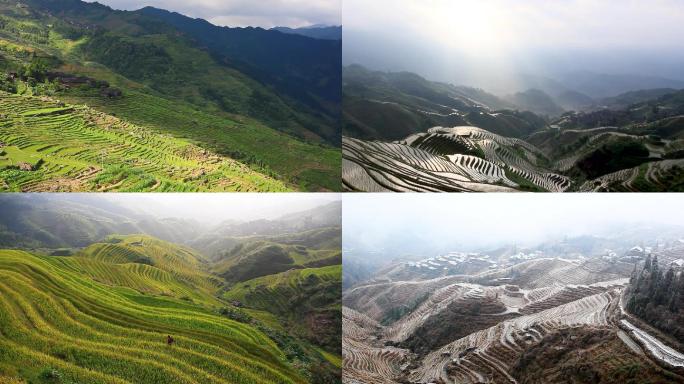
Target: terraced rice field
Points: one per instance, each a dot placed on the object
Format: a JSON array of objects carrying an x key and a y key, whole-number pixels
[
  {"x": 364, "y": 362},
  {"x": 374, "y": 352},
  {"x": 46, "y": 145},
  {"x": 461, "y": 159},
  {"x": 375, "y": 300},
  {"x": 438, "y": 161},
  {"x": 654, "y": 346},
  {"x": 56, "y": 322},
  {"x": 489, "y": 353},
  {"x": 275, "y": 292},
  {"x": 546, "y": 272},
  {"x": 147, "y": 265}
]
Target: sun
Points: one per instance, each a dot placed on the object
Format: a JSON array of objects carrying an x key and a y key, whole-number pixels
[{"x": 475, "y": 28}]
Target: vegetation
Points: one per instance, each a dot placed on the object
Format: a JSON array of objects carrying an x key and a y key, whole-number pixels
[
  {"x": 252, "y": 258},
  {"x": 395, "y": 313},
  {"x": 656, "y": 296},
  {"x": 308, "y": 298},
  {"x": 61, "y": 325},
  {"x": 391, "y": 106},
  {"x": 586, "y": 356},
  {"x": 72, "y": 241},
  {"x": 127, "y": 293},
  {"x": 93, "y": 151},
  {"x": 457, "y": 320},
  {"x": 613, "y": 156},
  {"x": 599, "y": 150},
  {"x": 142, "y": 71}
]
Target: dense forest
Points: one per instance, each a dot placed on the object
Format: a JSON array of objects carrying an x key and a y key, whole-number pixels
[{"x": 657, "y": 297}]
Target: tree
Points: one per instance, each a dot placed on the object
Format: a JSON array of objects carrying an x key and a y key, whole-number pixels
[
  {"x": 36, "y": 70},
  {"x": 647, "y": 263},
  {"x": 663, "y": 287},
  {"x": 656, "y": 296}
]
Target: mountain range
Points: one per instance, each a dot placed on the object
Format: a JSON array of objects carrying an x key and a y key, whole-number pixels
[
  {"x": 265, "y": 101},
  {"x": 403, "y": 133},
  {"x": 552, "y": 313},
  {"x": 244, "y": 305},
  {"x": 325, "y": 32}
]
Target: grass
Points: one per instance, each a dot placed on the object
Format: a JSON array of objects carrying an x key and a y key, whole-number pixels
[
  {"x": 301, "y": 297},
  {"x": 261, "y": 257},
  {"x": 302, "y": 165},
  {"x": 523, "y": 183},
  {"x": 81, "y": 149},
  {"x": 59, "y": 325},
  {"x": 195, "y": 100}
]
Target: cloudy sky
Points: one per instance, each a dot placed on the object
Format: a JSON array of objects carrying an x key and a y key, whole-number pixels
[
  {"x": 441, "y": 38},
  {"x": 492, "y": 219},
  {"x": 243, "y": 13}
]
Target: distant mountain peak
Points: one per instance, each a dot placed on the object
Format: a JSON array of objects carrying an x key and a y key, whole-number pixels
[{"x": 316, "y": 31}]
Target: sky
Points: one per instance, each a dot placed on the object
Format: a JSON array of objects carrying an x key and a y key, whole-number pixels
[
  {"x": 492, "y": 219},
  {"x": 458, "y": 39},
  {"x": 214, "y": 208},
  {"x": 244, "y": 13}
]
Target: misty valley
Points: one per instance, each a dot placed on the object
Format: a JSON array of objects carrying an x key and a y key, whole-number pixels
[
  {"x": 405, "y": 133},
  {"x": 583, "y": 309}
]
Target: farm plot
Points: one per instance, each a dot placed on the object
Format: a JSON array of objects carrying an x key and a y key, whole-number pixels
[
  {"x": 57, "y": 322},
  {"x": 447, "y": 159},
  {"x": 399, "y": 167},
  {"x": 487, "y": 354},
  {"x": 48, "y": 146},
  {"x": 363, "y": 361},
  {"x": 654, "y": 346}
]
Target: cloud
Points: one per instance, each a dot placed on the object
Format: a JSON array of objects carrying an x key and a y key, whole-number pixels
[
  {"x": 579, "y": 23},
  {"x": 243, "y": 13},
  {"x": 496, "y": 219},
  {"x": 443, "y": 39}
]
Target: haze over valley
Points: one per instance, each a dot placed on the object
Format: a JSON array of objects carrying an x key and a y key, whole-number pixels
[
  {"x": 454, "y": 303},
  {"x": 462, "y": 96}
]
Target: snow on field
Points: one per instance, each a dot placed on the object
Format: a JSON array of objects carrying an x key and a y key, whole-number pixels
[
  {"x": 495, "y": 348},
  {"x": 656, "y": 348},
  {"x": 364, "y": 362}
]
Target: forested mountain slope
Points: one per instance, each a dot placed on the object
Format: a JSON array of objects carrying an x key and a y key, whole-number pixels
[
  {"x": 147, "y": 72},
  {"x": 106, "y": 294}
]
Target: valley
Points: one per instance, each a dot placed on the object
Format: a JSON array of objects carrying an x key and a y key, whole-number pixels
[
  {"x": 275, "y": 125},
  {"x": 91, "y": 296},
  {"x": 511, "y": 316},
  {"x": 404, "y": 133}
]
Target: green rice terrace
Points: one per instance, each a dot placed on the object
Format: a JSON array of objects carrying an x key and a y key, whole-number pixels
[
  {"x": 46, "y": 145},
  {"x": 94, "y": 99},
  {"x": 103, "y": 314}
]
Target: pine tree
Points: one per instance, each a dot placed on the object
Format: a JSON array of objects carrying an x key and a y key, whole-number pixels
[
  {"x": 633, "y": 277},
  {"x": 647, "y": 263}
]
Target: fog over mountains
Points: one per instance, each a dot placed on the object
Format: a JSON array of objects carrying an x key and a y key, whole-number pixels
[
  {"x": 592, "y": 48},
  {"x": 512, "y": 289},
  {"x": 475, "y": 223}
]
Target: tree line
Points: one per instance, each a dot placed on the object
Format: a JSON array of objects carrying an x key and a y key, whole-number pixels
[{"x": 657, "y": 297}]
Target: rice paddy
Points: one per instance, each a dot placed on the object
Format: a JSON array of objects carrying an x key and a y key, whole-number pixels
[
  {"x": 472, "y": 159},
  {"x": 58, "y": 324},
  {"x": 46, "y": 145}
]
